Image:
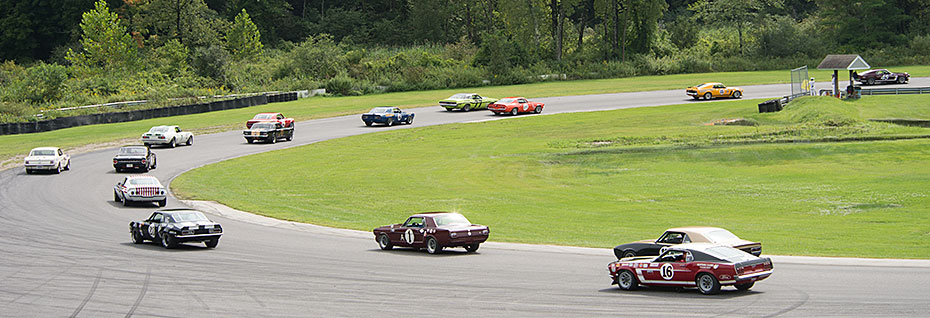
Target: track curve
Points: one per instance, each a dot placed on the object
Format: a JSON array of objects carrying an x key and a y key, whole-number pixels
[{"x": 65, "y": 251}]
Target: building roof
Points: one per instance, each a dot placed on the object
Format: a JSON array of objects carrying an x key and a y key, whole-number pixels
[{"x": 843, "y": 62}]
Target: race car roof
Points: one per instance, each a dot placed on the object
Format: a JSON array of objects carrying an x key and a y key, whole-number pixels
[{"x": 45, "y": 148}]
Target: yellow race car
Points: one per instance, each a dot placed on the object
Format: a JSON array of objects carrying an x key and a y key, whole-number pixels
[{"x": 714, "y": 90}]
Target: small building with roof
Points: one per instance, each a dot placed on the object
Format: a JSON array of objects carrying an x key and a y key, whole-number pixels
[{"x": 837, "y": 62}]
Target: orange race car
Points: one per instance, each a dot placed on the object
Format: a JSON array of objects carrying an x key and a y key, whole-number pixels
[{"x": 714, "y": 90}]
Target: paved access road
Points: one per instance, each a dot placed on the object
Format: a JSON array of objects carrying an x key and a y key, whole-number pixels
[{"x": 65, "y": 251}]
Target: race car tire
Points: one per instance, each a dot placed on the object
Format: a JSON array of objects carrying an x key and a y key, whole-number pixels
[
  {"x": 513, "y": 112},
  {"x": 58, "y": 169},
  {"x": 273, "y": 139},
  {"x": 410, "y": 120},
  {"x": 432, "y": 246},
  {"x": 466, "y": 108},
  {"x": 745, "y": 287},
  {"x": 168, "y": 241},
  {"x": 28, "y": 171},
  {"x": 900, "y": 80},
  {"x": 708, "y": 96},
  {"x": 629, "y": 254},
  {"x": 495, "y": 113},
  {"x": 871, "y": 81},
  {"x": 471, "y": 248},
  {"x": 249, "y": 140},
  {"x": 707, "y": 284},
  {"x": 136, "y": 237},
  {"x": 163, "y": 202},
  {"x": 190, "y": 141},
  {"x": 390, "y": 122},
  {"x": 290, "y": 136},
  {"x": 116, "y": 196},
  {"x": 695, "y": 97},
  {"x": 737, "y": 94},
  {"x": 212, "y": 243},
  {"x": 146, "y": 168},
  {"x": 627, "y": 281},
  {"x": 368, "y": 123},
  {"x": 537, "y": 110},
  {"x": 125, "y": 202},
  {"x": 171, "y": 143},
  {"x": 448, "y": 109},
  {"x": 68, "y": 166},
  {"x": 384, "y": 242}
]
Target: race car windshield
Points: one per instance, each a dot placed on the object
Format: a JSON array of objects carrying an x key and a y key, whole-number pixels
[
  {"x": 132, "y": 150},
  {"x": 721, "y": 236},
  {"x": 143, "y": 181},
  {"x": 729, "y": 254},
  {"x": 42, "y": 153},
  {"x": 506, "y": 101},
  {"x": 263, "y": 126},
  {"x": 452, "y": 219},
  {"x": 460, "y": 96},
  {"x": 266, "y": 116},
  {"x": 381, "y": 110},
  {"x": 189, "y": 217},
  {"x": 158, "y": 129}
]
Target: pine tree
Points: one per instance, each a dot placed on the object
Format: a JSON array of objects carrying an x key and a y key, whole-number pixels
[
  {"x": 243, "y": 40},
  {"x": 105, "y": 44}
]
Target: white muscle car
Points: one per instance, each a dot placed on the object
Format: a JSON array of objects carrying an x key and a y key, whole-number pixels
[
  {"x": 167, "y": 135},
  {"x": 140, "y": 189},
  {"x": 47, "y": 159}
]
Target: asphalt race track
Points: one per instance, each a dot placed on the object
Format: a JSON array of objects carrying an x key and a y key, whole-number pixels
[{"x": 65, "y": 251}]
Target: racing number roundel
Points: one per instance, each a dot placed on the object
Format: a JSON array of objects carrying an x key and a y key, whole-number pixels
[
  {"x": 408, "y": 236},
  {"x": 667, "y": 271}
]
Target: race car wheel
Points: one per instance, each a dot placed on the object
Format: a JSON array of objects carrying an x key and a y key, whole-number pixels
[
  {"x": 695, "y": 97},
  {"x": 68, "y": 166},
  {"x": 410, "y": 120},
  {"x": 737, "y": 94},
  {"x": 171, "y": 143},
  {"x": 629, "y": 254},
  {"x": 273, "y": 139},
  {"x": 871, "y": 81},
  {"x": 168, "y": 241},
  {"x": 627, "y": 281},
  {"x": 163, "y": 202},
  {"x": 390, "y": 122},
  {"x": 249, "y": 140},
  {"x": 136, "y": 237},
  {"x": 537, "y": 110},
  {"x": 466, "y": 108},
  {"x": 28, "y": 171},
  {"x": 708, "y": 96},
  {"x": 212, "y": 243},
  {"x": 290, "y": 136},
  {"x": 384, "y": 242},
  {"x": 116, "y": 196},
  {"x": 432, "y": 246},
  {"x": 368, "y": 123},
  {"x": 745, "y": 286},
  {"x": 448, "y": 109},
  {"x": 495, "y": 113},
  {"x": 900, "y": 80},
  {"x": 513, "y": 112},
  {"x": 58, "y": 169},
  {"x": 190, "y": 141},
  {"x": 125, "y": 202},
  {"x": 471, "y": 248},
  {"x": 707, "y": 284}
]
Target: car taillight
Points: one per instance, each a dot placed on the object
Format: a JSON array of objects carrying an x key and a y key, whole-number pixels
[
  {"x": 114, "y": 160},
  {"x": 143, "y": 161}
]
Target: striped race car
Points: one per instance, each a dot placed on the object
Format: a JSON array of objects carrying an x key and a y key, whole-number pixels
[
  {"x": 713, "y": 90},
  {"x": 140, "y": 189},
  {"x": 702, "y": 265}
]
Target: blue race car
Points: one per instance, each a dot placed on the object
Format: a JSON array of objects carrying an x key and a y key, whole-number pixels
[{"x": 387, "y": 115}]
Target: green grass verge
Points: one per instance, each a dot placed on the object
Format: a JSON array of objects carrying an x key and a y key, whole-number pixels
[
  {"x": 12, "y": 147},
  {"x": 602, "y": 178}
]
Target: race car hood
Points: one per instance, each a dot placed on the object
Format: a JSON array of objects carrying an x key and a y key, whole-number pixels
[
  {"x": 637, "y": 259},
  {"x": 645, "y": 241},
  {"x": 258, "y": 129}
]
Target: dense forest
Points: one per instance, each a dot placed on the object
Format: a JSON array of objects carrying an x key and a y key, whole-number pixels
[{"x": 76, "y": 52}]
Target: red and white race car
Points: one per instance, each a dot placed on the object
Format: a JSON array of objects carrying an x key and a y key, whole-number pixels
[
  {"x": 515, "y": 105},
  {"x": 275, "y": 117},
  {"x": 702, "y": 265}
]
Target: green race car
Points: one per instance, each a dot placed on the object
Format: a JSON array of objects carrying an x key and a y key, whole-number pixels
[{"x": 466, "y": 102}]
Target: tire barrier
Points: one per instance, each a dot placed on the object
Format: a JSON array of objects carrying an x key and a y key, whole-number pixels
[
  {"x": 771, "y": 106},
  {"x": 133, "y": 115}
]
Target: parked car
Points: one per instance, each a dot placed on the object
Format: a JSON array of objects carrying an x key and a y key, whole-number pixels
[
  {"x": 433, "y": 231},
  {"x": 170, "y": 227},
  {"x": 47, "y": 159},
  {"x": 167, "y": 135},
  {"x": 134, "y": 158},
  {"x": 387, "y": 115},
  {"x": 689, "y": 234},
  {"x": 466, "y": 102},
  {"x": 713, "y": 90},
  {"x": 140, "y": 189},
  {"x": 702, "y": 265},
  {"x": 882, "y": 76},
  {"x": 515, "y": 105},
  {"x": 268, "y": 131},
  {"x": 272, "y": 117}
]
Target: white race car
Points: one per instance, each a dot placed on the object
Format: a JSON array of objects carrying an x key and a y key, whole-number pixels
[
  {"x": 140, "y": 189},
  {"x": 167, "y": 135},
  {"x": 47, "y": 159}
]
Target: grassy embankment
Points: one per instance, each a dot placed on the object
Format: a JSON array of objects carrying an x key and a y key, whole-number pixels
[
  {"x": 603, "y": 178},
  {"x": 13, "y": 147}
]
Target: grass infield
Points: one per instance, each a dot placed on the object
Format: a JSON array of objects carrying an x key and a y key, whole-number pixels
[
  {"x": 13, "y": 147},
  {"x": 815, "y": 179}
]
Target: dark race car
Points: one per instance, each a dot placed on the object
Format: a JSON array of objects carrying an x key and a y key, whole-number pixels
[
  {"x": 702, "y": 265},
  {"x": 268, "y": 131},
  {"x": 433, "y": 231},
  {"x": 388, "y": 116},
  {"x": 687, "y": 234},
  {"x": 882, "y": 76},
  {"x": 170, "y": 227},
  {"x": 134, "y": 158}
]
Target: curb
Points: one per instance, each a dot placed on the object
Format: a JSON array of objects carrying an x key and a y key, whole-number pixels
[{"x": 218, "y": 209}]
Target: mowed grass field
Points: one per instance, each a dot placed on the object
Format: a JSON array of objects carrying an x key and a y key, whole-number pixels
[
  {"x": 815, "y": 179},
  {"x": 13, "y": 147}
]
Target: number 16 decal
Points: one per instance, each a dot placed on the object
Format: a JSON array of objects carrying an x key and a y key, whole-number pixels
[{"x": 667, "y": 271}]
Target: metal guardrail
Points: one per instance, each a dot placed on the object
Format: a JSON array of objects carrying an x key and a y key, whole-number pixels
[{"x": 896, "y": 91}]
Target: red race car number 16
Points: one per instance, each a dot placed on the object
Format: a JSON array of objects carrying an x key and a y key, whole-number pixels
[{"x": 667, "y": 271}]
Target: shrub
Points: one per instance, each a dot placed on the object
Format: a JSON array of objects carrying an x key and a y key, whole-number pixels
[
  {"x": 38, "y": 84},
  {"x": 340, "y": 85},
  {"x": 211, "y": 61}
]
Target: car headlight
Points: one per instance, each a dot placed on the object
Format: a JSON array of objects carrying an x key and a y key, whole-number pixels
[
  {"x": 454, "y": 234},
  {"x": 485, "y": 232}
]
